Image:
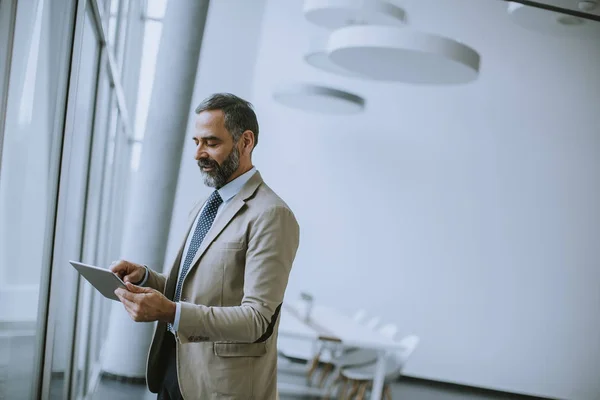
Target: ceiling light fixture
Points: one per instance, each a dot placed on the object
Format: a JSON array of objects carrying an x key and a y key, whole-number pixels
[
  {"x": 587, "y": 5},
  {"x": 552, "y": 23},
  {"x": 334, "y": 14},
  {"x": 321, "y": 99},
  {"x": 317, "y": 57},
  {"x": 399, "y": 54}
]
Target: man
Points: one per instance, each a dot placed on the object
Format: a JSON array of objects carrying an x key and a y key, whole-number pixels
[{"x": 218, "y": 307}]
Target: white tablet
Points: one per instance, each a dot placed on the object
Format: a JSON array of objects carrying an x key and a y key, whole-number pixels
[{"x": 104, "y": 280}]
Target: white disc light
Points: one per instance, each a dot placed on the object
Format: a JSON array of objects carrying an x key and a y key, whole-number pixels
[
  {"x": 553, "y": 23},
  {"x": 317, "y": 57},
  {"x": 334, "y": 14},
  {"x": 320, "y": 99},
  {"x": 400, "y": 54}
]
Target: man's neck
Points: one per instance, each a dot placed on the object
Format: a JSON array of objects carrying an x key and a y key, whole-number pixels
[{"x": 239, "y": 172}]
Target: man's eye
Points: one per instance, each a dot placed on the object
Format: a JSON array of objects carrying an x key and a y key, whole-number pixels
[{"x": 211, "y": 144}]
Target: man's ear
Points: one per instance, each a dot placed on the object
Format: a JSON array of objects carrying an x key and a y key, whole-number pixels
[{"x": 247, "y": 141}]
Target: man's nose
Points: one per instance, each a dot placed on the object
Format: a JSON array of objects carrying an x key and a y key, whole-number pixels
[{"x": 200, "y": 153}]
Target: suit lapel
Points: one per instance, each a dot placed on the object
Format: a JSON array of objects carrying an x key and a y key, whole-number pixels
[{"x": 227, "y": 215}]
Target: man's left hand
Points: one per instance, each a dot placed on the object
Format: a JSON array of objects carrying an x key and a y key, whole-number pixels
[{"x": 146, "y": 304}]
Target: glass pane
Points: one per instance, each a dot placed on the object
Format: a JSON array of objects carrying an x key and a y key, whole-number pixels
[
  {"x": 121, "y": 178},
  {"x": 152, "y": 34},
  {"x": 117, "y": 28},
  {"x": 112, "y": 21},
  {"x": 156, "y": 8},
  {"x": 90, "y": 305},
  {"x": 7, "y": 9},
  {"x": 27, "y": 188},
  {"x": 136, "y": 153},
  {"x": 72, "y": 219},
  {"x": 93, "y": 320}
]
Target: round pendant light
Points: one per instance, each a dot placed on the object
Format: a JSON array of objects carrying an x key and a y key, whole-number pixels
[
  {"x": 319, "y": 99},
  {"x": 553, "y": 23},
  {"x": 334, "y": 14},
  {"x": 317, "y": 57},
  {"x": 400, "y": 54}
]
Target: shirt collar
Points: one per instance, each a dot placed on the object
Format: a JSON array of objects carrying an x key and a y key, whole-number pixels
[{"x": 232, "y": 188}]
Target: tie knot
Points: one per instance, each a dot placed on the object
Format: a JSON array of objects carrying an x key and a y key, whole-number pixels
[{"x": 215, "y": 198}]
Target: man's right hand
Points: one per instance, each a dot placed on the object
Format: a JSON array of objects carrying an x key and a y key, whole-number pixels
[{"x": 128, "y": 271}]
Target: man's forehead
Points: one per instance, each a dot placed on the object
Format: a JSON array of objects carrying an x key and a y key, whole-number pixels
[
  {"x": 210, "y": 118},
  {"x": 210, "y": 124}
]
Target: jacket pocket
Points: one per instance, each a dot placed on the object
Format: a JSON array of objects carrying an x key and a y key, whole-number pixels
[
  {"x": 229, "y": 245},
  {"x": 224, "y": 349}
]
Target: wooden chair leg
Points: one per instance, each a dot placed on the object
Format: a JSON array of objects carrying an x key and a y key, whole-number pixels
[
  {"x": 334, "y": 384},
  {"x": 354, "y": 390},
  {"x": 327, "y": 369},
  {"x": 363, "y": 391},
  {"x": 313, "y": 367},
  {"x": 387, "y": 392},
  {"x": 341, "y": 393}
]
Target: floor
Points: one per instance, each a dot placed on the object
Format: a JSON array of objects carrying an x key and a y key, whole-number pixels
[
  {"x": 15, "y": 382},
  {"x": 408, "y": 389}
]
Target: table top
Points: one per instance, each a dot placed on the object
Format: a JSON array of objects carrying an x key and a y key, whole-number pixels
[{"x": 326, "y": 323}]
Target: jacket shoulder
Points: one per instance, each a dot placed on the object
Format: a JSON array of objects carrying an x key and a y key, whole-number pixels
[{"x": 265, "y": 198}]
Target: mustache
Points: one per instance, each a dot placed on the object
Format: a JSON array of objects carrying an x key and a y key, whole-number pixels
[{"x": 208, "y": 163}]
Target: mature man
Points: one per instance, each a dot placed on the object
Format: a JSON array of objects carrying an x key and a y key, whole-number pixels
[{"x": 217, "y": 309}]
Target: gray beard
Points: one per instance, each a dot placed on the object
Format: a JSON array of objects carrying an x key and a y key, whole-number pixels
[{"x": 218, "y": 177}]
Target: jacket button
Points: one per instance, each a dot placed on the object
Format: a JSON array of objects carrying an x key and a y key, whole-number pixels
[{"x": 184, "y": 299}]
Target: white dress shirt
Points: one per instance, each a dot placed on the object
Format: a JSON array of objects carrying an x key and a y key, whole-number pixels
[{"x": 227, "y": 193}]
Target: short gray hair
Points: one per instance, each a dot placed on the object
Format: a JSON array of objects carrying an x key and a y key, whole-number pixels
[{"x": 239, "y": 113}]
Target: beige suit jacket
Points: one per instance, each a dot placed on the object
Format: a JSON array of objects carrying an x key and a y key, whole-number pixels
[{"x": 231, "y": 298}]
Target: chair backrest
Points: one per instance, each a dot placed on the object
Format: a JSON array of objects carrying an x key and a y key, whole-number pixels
[
  {"x": 409, "y": 344},
  {"x": 360, "y": 316},
  {"x": 389, "y": 330},
  {"x": 373, "y": 323}
]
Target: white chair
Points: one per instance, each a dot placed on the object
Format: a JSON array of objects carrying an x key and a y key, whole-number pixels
[
  {"x": 360, "y": 316},
  {"x": 357, "y": 358},
  {"x": 296, "y": 350},
  {"x": 330, "y": 352},
  {"x": 362, "y": 376},
  {"x": 389, "y": 331},
  {"x": 293, "y": 349},
  {"x": 373, "y": 323}
]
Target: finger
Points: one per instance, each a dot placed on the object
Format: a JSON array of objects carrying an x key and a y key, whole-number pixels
[
  {"x": 122, "y": 293},
  {"x": 131, "y": 308},
  {"x": 129, "y": 305},
  {"x": 137, "y": 289},
  {"x": 118, "y": 267}
]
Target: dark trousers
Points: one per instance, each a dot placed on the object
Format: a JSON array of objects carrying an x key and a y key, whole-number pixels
[{"x": 170, "y": 387}]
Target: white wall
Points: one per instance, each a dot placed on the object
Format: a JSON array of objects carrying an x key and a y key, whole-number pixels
[{"x": 468, "y": 215}]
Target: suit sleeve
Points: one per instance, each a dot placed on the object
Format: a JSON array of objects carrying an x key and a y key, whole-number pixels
[
  {"x": 272, "y": 245},
  {"x": 155, "y": 280}
]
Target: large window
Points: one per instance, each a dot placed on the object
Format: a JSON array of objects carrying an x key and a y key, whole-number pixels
[
  {"x": 35, "y": 98},
  {"x": 71, "y": 73},
  {"x": 154, "y": 14}
]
